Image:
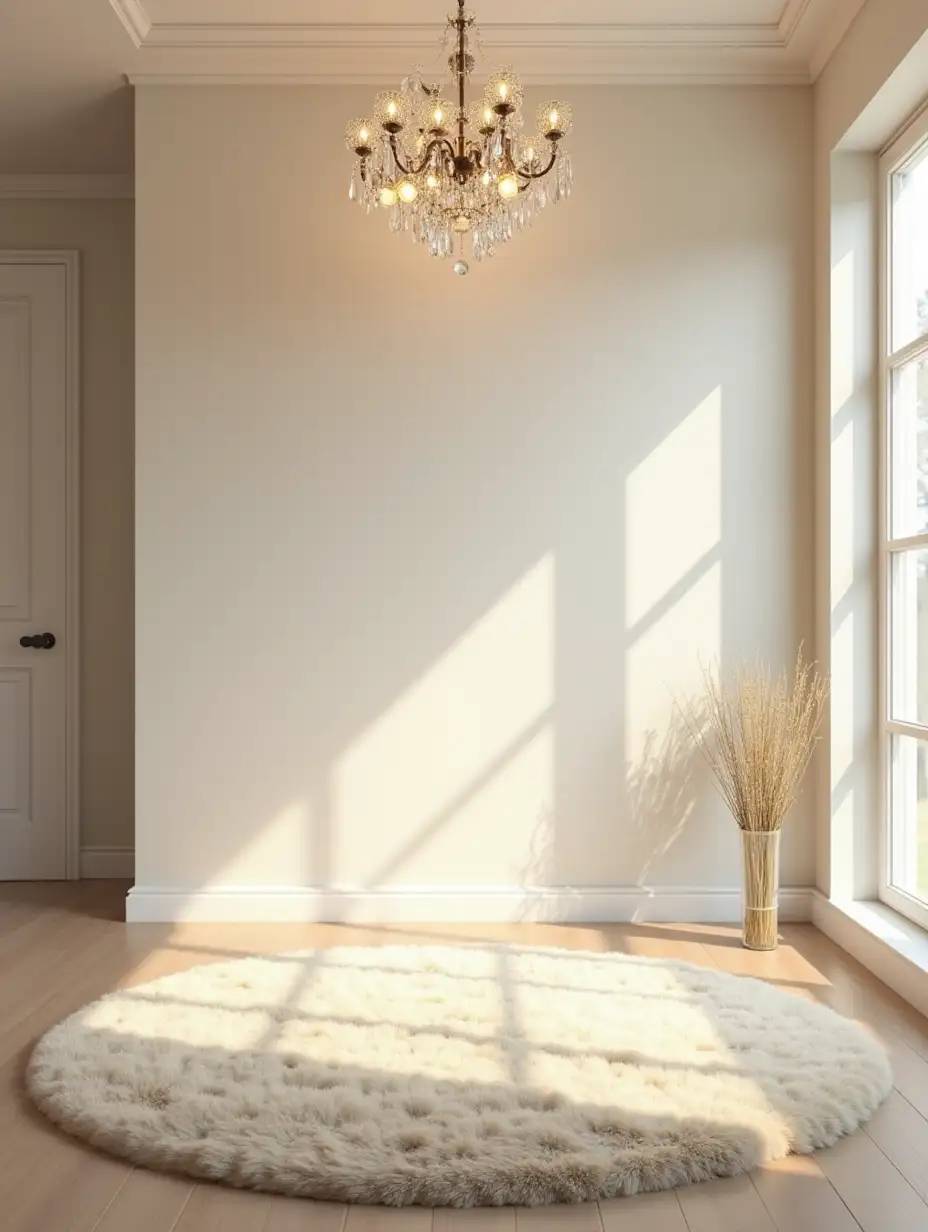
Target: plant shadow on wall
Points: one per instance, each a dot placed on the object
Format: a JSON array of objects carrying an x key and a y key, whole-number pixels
[
  {"x": 488, "y": 1074},
  {"x": 663, "y": 787}
]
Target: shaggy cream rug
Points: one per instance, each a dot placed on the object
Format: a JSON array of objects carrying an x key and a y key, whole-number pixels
[{"x": 456, "y": 1077}]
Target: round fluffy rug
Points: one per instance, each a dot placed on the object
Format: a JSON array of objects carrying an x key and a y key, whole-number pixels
[{"x": 456, "y": 1077}]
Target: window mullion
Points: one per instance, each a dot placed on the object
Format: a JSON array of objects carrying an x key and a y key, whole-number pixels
[
  {"x": 916, "y": 349},
  {"x": 907, "y": 544}
]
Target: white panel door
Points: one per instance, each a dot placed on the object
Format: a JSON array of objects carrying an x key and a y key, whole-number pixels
[{"x": 34, "y": 501}]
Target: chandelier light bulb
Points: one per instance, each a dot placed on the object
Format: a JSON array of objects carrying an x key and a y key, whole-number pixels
[
  {"x": 432, "y": 181},
  {"x": 481, "y": 116},
  {"x": 555, "y": 119},
  {"x": 508, "y": 186},
  {"x": 485, "y": 179},
  {"x": 388, "y": 197},
  {"x": 407, "y": 192},
  {"x": 504, "y": 92},
  {"x": 436, "y": 115},
  {"x": 392, "y": 111},
  {"x": 359, "y": 137}
]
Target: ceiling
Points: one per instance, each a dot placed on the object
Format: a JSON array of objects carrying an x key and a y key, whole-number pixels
[{"x": 65, "y": 107}]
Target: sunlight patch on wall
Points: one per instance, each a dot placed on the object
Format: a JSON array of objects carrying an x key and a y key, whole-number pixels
[
  {"x": 665, "y": 662},
  {"x": 842, "y": 513},
  {"x": 674, "y": 583},
  {"x": 433, "y": 772},
  {"x": 673, "y": 508},
  {"x": 842, "y": 443},
  {"x": 842, "y": 332},
  {"x": 284, "y": 842},
  {"x": 842, "y": 756},
  {"x": 501, "y": 832}
]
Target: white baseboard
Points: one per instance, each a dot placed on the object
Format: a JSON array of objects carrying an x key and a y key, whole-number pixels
[
  {"x": 890, "y": 946},
  {"x": 105, "y": 863},
  {"x": 449, "y": 904}
]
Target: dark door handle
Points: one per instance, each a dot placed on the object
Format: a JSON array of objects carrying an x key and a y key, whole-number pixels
[{"x": 38, "y": 641}]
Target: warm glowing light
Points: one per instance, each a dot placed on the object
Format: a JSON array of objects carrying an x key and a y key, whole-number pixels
[
  {"x": 359, "y": 137},
  {"x": 509, "y": 186},
  {"x": 555, "y": 119},
  {"x": 463, "y": 169}
]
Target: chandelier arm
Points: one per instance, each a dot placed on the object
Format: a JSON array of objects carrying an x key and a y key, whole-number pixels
[
  {"x": 439, "y": 141},
  {"x": 538, "y": 175}
]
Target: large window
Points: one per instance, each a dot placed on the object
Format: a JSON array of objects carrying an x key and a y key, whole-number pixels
[{"x": 904, "y": 521}]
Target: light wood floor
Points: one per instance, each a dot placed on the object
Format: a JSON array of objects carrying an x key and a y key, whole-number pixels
[{"x": 63, "y": 945}]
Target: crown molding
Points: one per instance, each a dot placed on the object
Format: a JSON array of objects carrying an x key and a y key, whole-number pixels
[
  {"x": 842, "y": 16},
  {"x": 258, "y": 42},
  {"x": 135, "y": 19},
  {"x": 66, "y": 187},
  {"x": 793, "y": 13},
  {"x": 421, "y": 37},
  {"x": 710, "y": 69}
]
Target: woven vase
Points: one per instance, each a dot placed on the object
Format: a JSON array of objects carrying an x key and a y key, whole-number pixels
[{"x": 760, "y": 880}]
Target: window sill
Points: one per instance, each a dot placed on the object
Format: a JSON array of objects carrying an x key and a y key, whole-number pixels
[{"x": 890, "y": 946}]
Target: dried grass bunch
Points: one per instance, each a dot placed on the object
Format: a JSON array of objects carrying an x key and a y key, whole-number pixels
[{"x": 758, "y": 734}]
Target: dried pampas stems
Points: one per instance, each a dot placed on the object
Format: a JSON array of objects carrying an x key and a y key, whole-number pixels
[{"x": 758, "y": 735}]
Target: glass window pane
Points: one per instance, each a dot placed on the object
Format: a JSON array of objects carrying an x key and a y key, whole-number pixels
[
  {"x": 909, "y": 816},
  {"x": 909, "y": 460},
  {"x": 909, "y": 645},
  {"x": 910, "y": 251}
]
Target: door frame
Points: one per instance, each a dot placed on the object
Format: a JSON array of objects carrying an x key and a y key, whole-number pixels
[{"x": 69, "y": 260}]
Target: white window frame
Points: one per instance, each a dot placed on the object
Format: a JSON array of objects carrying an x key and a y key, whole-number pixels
[{"x": 906, "y": 146}]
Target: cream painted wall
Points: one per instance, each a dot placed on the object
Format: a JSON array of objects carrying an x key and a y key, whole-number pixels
[
  {"x": 407, "y": 618},
  {"x": 102, "y": 231}
]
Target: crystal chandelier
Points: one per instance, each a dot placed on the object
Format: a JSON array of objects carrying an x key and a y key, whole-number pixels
[{"x": 448, "y": 172}]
